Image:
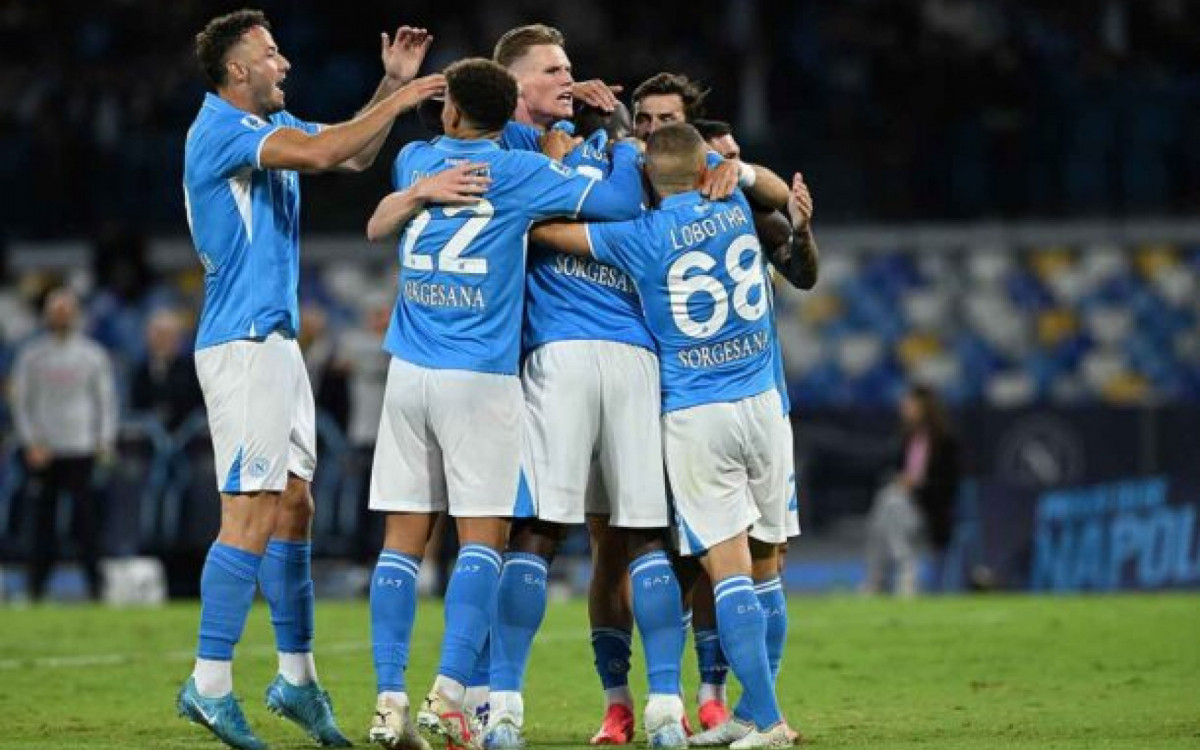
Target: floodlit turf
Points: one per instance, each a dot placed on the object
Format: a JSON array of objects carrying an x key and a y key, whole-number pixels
[{"x": 1105, "y": 672}]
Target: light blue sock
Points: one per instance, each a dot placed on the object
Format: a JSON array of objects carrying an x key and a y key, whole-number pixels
[
  {"x": 710, "y": 657},
  {"x": 774, "y": 606},
  {"x": 481, "y": 674},
  {"x": 657, "y": 611},
  {"x": 285, "y": 578},
  {"x": 743, "y": 637},
  {"x": 226, "y": 592},
  {"x": 611, "y": 649},
  {"x": 470, "y": 609},
  {"x": 520, "y": 607},
  {"x": 393, "y": 612}
]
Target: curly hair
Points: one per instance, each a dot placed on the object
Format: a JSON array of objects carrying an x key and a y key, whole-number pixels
[{"x": 220, "y": 35}]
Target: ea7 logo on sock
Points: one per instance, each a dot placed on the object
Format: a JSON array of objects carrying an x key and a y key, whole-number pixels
[
  {"x": 532, "y": 579},
  {"x": 745, "y": 609},
  {"x": 395, "y": 583},
  {"x": 653, "y": 581},
  {"x": 467, "y": 567}
]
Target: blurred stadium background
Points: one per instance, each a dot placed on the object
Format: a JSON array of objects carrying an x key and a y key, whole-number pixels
[{"x": 1006, "y": 204}]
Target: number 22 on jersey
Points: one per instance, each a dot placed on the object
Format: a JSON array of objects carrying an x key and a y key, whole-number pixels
[{"x": 449, "y": 257}]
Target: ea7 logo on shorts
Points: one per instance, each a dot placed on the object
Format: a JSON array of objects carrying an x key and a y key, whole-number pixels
[
  {"x": 258, "y": 468},
  {"x": 254, "y": 122}
]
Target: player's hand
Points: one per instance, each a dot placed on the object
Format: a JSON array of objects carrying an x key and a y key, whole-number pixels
[
  {"x": 597, "y": 93},
  {"x": 38, "y": 456},
  {"x": 402, "y": 55},
  {"x": 557, "y": 143},
  {"x": 461, "y": 184},
  {"x": 720, "y": 181},
  {"x": 800, "y": 203},
  {"x": 425, "y": 87}
]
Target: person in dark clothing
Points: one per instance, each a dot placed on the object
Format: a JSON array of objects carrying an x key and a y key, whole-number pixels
[
  {"x": 165, "y": 383},
  {"x": 919, "y": 500}
]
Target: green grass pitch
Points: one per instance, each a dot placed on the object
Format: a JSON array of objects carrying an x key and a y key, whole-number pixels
[{"x": 997, "y": 672}]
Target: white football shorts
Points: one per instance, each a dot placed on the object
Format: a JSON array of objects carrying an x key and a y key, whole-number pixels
[
  {"x": 260, "y": 413},
  {"x": 450, "y": 440},
  {"x": 594, "y": 433},
  {"x": 787, "y": 455},
  {"x": 727, "y": 472}
]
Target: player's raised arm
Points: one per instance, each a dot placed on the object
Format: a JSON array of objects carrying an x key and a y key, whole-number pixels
[
  {"x": 291, "y": 148},
  {"x": 565, "y": 236},
  {"x": 620, "y": 196},
  {"x": 459, "y": 185},
  {"x": 789, "y": 241},
  {"x": 402, "y": 56}
]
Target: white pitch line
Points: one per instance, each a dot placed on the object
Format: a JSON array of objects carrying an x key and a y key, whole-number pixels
[{"x": 84, "y": 661}]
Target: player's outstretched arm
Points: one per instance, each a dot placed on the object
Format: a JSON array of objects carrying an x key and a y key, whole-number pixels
[
  {"x": 620, "y": 196},
  {"x": 402, "y": 56},
  {"x": 291, "y": 148},
  {"x": 564, "y": 236},
  {"x": 462, "y": 184},
  {"x": 792, "y": 248},
  {"x": 763, "y": 188}
]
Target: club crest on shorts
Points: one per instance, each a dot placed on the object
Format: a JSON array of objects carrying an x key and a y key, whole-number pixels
[{"x": 259, "y": 467}]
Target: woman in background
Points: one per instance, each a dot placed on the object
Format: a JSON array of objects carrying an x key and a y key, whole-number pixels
[{"x": 918, "y": 501}]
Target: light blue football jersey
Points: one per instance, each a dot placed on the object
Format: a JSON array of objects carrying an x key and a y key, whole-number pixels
[
  {"x": 245, "y": 224},
  {"x": 568, "y": 298},
  {"x": 701, "y": 275},
  {"x": 462, "y": 268}
]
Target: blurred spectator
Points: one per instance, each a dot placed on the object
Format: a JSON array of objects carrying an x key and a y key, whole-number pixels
[
  {"x": 327, "y": 369},
  {"x": 164, "y": 383},
  {"x": 917, "y": 504},
  {"x": 362, "y": 349},
  {"x": 65, "y": 409}
]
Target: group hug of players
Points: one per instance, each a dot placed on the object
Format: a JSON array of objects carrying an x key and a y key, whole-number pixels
[{"x": 576, "y": 310}]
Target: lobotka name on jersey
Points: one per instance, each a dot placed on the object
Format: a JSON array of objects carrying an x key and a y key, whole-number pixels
[{"x": 699, "y": 231}]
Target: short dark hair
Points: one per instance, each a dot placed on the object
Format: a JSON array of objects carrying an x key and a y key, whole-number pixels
[
  {"x": 220, "y": 35},
  {"x": 675, "y": 138},
  {"x": 710, "y": 129},
  {"x": 483, "y": 91},
  {"x": 516, "y": 42},
  {"x": 589, "y": 119},
  {"x": 664, "y": 84}
]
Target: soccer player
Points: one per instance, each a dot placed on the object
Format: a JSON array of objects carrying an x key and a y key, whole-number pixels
[
  {"x": 663, "y": 99},
  {"x": 591, "y": 386},
  {"x": 453, "y": 423},
  {"x": 701, "y": 274},
  {"x": 242, "y": 195},
  {"x": 793, "y": 254}
]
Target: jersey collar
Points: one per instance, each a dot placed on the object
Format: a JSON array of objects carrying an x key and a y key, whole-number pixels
[
  {"x": 475, "y": 145},
  {"x": 690, "y": 198}
]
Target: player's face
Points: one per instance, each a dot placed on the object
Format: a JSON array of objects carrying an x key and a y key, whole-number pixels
[
  {"x": 726, "y": 146},
  {"x": 544, "y": 75},
  {"x": 653, "y": 111},
  {"x": 257, "y": 61}
]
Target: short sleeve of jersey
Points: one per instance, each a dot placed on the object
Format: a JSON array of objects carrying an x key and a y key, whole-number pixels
[
  {"x": 517, "y": 136},
  {"x": 288, "y": 120},
  {"x": 616, "y": 244},
  {"x": 235, "y": 143},
  {"x": 398, "y": 166},
  {"x": 552, "y": 189},
  {"x": 712, "y": 159}
]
